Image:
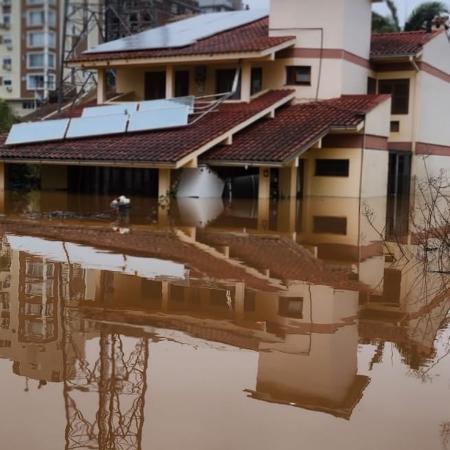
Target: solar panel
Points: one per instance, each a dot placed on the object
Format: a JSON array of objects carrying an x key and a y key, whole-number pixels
[
  {"x": 97, "y": 126},
  {"x": 46, "y": 130},
  {"x": 182, "y": 33},
  {"x": 153, "y": 105},
  {"x": 176, "y": 116},
  {"x": 120, "y": 108}
]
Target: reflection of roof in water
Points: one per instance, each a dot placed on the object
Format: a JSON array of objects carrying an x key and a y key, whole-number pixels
[
  {"x": 160, "y": 243},
  {"x": 343, "y": 409},
  {"x": 284, "y": 258}
]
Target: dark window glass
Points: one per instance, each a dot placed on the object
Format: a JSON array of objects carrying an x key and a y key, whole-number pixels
[
  {"x": 330, "y": 225},
  {"x": 399, "y": 89},
  {"x": 224, "y": 82},
  {"x": 371, "y": 85},
  {"x": 256, "y": 81},
  {"x": 291, "y": 307},
  {"x": 332, "y": 167},
  {"x": 298, "y": 75},
  {"x": 395, "y": 126},
  {"x": 181, "y": 83}
]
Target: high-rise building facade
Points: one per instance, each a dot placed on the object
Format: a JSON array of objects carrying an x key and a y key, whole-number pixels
[{"x": 29, "y": 51}]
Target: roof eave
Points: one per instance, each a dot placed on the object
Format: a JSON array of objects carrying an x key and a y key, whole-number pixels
[{"x": 182, "y": 59}]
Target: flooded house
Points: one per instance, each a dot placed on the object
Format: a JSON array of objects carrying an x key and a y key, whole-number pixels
[{"x": 299, "y": 100}]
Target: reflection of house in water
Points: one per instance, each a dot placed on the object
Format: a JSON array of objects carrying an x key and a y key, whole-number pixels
[{"x": 257, "y": 289}]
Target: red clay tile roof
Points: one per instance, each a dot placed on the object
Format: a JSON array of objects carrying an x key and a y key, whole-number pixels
[
  {"x": 253, "y": 37},
  {"x": 156, "y": 147},
  {"x": 399, "y": 44},
  {"x": 294, "y": 129}
]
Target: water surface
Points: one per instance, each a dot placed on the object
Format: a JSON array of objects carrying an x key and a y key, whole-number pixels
[{"x": 315, "y": 324}]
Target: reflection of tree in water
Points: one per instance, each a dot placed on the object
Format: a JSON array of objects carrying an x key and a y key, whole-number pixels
[
  {"x": 422, "y": 252},
  {"x": 117, "y": 379}
]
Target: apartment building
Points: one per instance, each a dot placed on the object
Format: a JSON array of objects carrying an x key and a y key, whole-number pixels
[{"x": 29, "y": 48}]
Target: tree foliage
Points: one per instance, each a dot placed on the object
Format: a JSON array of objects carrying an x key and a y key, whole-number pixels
[
  {"x": 382, "y": 24},
  {"x": 424, "y": 12},
  {"x": 7, "y": 118}
]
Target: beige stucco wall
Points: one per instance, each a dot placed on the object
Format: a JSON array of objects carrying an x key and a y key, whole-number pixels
[
  {"x": 406, "y": 133},
  {"x": 333, "y": 186},
  {"x": 437, "y": 53},
  {"x": 378, "y": 120},
  {"x": 375, "y": 173},
  {"x": 433, "y": 114}
]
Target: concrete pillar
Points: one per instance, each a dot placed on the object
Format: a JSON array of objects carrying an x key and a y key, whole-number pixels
[
  {"x": 264, "y": 183},
  {"x": 246, "y": 81},
  {"x": 53, "y": 178},
  {"x": 239, "y": 301},
  {"x": 163, "y": 183},
  {"x": 165, "y": 296},
  {"x": 101, "y": 86},
  {"x": 287, "y": 216},
  {"x": 288, "y": 181},
  {"x": 163, "y": 196},
  {"x": 264, "y": 198},
  {"x": 170, "y": 82}
]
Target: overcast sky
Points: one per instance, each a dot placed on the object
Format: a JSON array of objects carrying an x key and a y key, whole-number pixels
[{"x": 404, "y": 6}]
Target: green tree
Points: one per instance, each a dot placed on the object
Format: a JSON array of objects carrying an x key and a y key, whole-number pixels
[
  {"x": 7, "y": 118},
  {"x": 382, "y": 24},
  {"x": 424, "y": 12},
  {"x": 386, "y": 24},
  {"x": 394, "y": 14}
]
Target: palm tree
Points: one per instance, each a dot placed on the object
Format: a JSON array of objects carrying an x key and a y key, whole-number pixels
[
  {"x": 394, "y": 14},
  {"x": 382, "y": 24},
  {"x": 423, "y": 13},
  {"x": 386, "y": 24}
]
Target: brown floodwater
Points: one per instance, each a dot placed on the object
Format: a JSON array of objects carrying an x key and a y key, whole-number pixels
[{"x": 214, "y": 325}]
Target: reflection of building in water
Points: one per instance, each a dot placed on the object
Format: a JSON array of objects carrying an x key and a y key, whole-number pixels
[
  {"x": 32, "y": 289},
  {"x": 257, "y": 290}
]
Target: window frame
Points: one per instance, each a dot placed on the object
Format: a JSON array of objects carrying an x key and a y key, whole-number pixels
[
  {"x": 395, "y": 84},
  {"x": 291, "y": 76},
  {"x": 320, "y": 173}
]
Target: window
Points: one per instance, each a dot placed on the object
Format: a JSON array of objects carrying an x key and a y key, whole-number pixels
[
  {"x": 330, "y": 225},
  {"x": 7, "y": 40},
  {"x": 225, "y": 80},
  {"x": 7, "y": 63},
  {"x": 37, "y": 60},
  {"x": 40, "y": 39},
  {"x": 36, "y": 18},
  {"x": 28, "y": 105},
  {"x": 7, "y": 81},
  {"x": 299, "y": 75},
  {"x": 332, "y": 167},
  {"x": 399, "y": 89},
  {"x": 395, "y": 126},
  {"x": 40, "y": 2},
  {"x": 371, "y": 85},
  {"x": 35, "y": 82},
  {"x": 291, "y": 307},
  {"x": 256, "y": 84}
]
